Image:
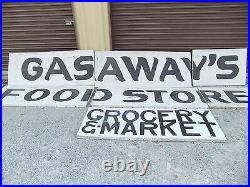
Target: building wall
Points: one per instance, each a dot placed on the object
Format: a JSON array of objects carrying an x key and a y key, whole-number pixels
[
  {"x": 36, "y": 27},
  {"x": 178, "y": 26}
]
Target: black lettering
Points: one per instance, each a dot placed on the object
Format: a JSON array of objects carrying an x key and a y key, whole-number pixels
[
  {"x": 221, "y": 63},
  {"x": 175, "y": 70},
  {"x": 184, "y": 128},
  {"x": 197, "y": 69},
  {"x": 205, "y": 96},
  {"x": 28, "y": 96},
  {"x": 170, "y": 122},
  {"x": 148, "y": 120},
  {"x": 37, "y": 69},
  {"x": 106, "y": 126},
  {"x": 135, "y": 93},
  {"x": 98, "y": 117},
  {"x": 183, "y": 113},
  {"x": 125, "y": 118},
  {"x": 115, "y": 70},
  {"x": 206, "y": 122},
  {"x": 175, "y": 96},
  {"x": 57, "y": 96},
  {"x": 157, "y": 95},
  {"x": 168, "y": 127},
  {"x": 209, "y": 127},
  {"x": 107, "y": 95},
  {"x": 62, "y": 69},
  {"x": 8, "y": 92},
  {"x": 188, "y": 64},
  {"x": 129, "y": 127},
  {"x": 148, "y": 126},
  {"x": 81, "y": 67},
  {"x": 129, "y": 121},
  {"x": 212, "y": 59},
  {"x": 89, "y": 124},
  {"x": 87, "y": 95},
  {"x": 162, "y": 114},
  {"x": 142, "y": 63},
  {"x": 234, "y": 96},
  {"x": 115, "y": 114},
  {"x": 203, "y": 115}
]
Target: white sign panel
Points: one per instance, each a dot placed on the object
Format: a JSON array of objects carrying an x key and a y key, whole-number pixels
[
  {"x": 143, "y": 98},
  {"x": 161, "y": 124},
  {"x": 143, "y": 69},
  {"x": 202, "y": 97},
  {"x": 225, "y": 97},
  {"x": 64, "y": 96},
  {"x": 219, "y": 67},
  {"x": 57, "y": 68}
]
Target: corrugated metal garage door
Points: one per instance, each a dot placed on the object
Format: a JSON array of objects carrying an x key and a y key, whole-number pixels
[
  {"x": 30, "y": 27},
  {"x": 178, "y": 26}
]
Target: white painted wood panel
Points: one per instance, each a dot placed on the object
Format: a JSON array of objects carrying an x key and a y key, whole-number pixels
[
  {"x": 158, "y": 69},
  {"x": 150, "y": 124},
  {"x": 225, "y": 97},
  {"x": 144, "y": 98},
  {"x": 215, "y": 67},
  {"x": 56, "y": 68},
  {"x": 64, "y": 96}
]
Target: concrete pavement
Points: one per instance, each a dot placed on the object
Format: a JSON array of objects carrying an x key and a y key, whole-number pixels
[{"x": 40, "y": 147}]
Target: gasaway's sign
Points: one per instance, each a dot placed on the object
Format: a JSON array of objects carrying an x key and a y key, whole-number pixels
[
  {"x": 219, "y": 67},
  {"x": 58, "y": 68},
  {"x": 161, "y": 124},
  {"x": 171, "y": 69},
  {"x": 143, "y": 69},
  {"x": 128, "y": 69},
  {"x": 76, "y": 68},
  {"x": 68, "y": 79},
  {"x": 60, "y": 78},
  {"x": 56, "y": 71}
]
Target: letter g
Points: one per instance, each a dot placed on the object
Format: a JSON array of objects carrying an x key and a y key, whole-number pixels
[{"x": 37, "y": 69}]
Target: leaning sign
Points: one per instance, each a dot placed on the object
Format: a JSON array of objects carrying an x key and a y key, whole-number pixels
[
  {"x": 58, "y": 68},
  {"x": 161, "y": 124},
  {"x": 143, "y": 69},
  {"x": 61, "y": 79},
  {"x": 202, "y": 97},
  {"x": 219, "y": 67},
  {"x": 133, "y": 95}
]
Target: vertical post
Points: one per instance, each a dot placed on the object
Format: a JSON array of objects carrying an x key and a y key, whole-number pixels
[{"x": 92, "y": 24}]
